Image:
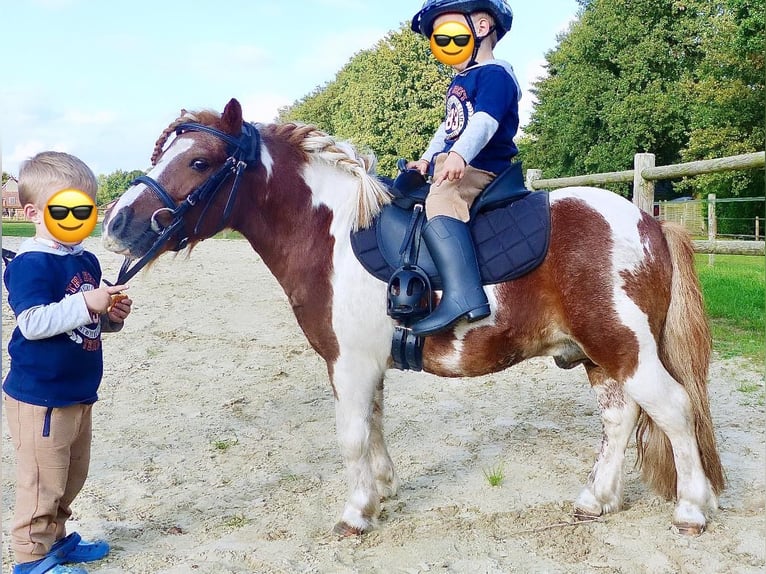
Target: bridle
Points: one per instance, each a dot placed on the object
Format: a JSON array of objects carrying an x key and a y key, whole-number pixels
[{"x": 244, "y": 153}]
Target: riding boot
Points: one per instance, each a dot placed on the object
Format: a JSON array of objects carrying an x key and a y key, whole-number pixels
[{"x": 451, "y": 245}]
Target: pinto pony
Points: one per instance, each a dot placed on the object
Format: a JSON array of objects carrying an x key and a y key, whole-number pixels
[{"x": 617, "y": 293}]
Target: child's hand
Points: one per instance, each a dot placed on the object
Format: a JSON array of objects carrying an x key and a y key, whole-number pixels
[
  {"x": 99, "y": 300},
  {"x": 452, "y": 169},
  {"x": 421, "y": 165},
  {"x": 120, "y": 308}
]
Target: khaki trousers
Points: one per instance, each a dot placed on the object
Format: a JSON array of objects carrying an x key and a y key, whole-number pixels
[
  {"x": 52, "y": 458},
  {"x": 454, "y": 198}
]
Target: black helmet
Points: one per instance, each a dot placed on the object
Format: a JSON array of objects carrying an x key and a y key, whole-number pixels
[{"x": 423, "y": 21}]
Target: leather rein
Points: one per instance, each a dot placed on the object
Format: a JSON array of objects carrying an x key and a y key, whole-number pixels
[{"x": 244, "y": 153}]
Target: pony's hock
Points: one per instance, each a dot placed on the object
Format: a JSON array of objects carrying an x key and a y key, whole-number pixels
[{"x": 615, "y": 291}]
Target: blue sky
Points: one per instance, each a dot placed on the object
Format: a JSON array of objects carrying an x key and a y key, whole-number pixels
[{"x": 101, "y": 79}]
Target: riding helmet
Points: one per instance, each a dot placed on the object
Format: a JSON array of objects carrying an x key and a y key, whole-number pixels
[{"x": 423, "y": 21}]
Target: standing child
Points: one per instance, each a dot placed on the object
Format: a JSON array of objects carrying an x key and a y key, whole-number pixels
[
  {"x": 56, "y": 363},
  {"x": 471, "y": 147}
]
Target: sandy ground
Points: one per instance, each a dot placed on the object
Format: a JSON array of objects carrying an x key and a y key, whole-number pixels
[{"x": 214, "y": 452}]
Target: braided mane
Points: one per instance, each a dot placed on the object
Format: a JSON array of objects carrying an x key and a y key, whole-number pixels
[{"x": 344, "y": 156}]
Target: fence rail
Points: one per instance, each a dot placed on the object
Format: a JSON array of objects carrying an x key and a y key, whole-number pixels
[{"x": 645, "y": 173}]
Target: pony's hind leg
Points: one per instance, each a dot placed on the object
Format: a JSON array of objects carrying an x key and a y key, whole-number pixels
[
  {"x": 603, "y": 492},
  {"x": 675, "y": 469}
]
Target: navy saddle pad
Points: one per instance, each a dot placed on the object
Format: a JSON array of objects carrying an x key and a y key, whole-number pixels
[{"x": 510, "y": 231}]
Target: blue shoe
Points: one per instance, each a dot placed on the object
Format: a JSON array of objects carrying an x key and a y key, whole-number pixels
[
  {"x": 84, "y": 551},
  {"x": 54, "y": 560}
]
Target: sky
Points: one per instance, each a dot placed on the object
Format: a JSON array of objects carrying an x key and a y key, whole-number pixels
[{"x": 101, "y": 79}]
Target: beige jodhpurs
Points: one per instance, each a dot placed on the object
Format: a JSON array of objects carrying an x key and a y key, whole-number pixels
[
  {"x": 52, "y": 447},
  {"x": 454, "y": 198}
]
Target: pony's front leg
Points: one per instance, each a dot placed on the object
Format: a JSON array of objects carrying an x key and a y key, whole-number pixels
[
  {"x": 603, "y": 492},
  {"x": 370, "y": 473}
]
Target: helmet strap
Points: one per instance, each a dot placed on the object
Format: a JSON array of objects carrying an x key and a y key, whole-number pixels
[{"x": 476, "y": 40}]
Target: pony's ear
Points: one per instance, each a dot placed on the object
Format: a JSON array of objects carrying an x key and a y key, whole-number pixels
[{"x": 231, "y": 120}]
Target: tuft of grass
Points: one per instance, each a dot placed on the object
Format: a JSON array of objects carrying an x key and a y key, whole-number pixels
[
  {"x": 236, "y": 521},
  {"x": 225, "y": 444},
  {"x": 494, "y": 474}
]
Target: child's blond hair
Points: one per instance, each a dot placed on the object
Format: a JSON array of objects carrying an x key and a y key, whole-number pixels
[{"x": 52, "y": 171}]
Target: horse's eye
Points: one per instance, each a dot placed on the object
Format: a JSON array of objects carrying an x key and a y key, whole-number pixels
[{"x": 200, "y": 164}]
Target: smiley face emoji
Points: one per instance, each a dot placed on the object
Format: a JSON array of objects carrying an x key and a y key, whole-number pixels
[
  {"x": 70, "y": 215},
  {"x": 452, "y": 43}
]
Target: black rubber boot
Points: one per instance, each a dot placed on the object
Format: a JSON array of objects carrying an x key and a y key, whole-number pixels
[{"x": 451, "y": 245}]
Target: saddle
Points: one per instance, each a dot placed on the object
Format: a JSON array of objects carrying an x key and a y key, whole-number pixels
[{"x": 510, "y": 227}]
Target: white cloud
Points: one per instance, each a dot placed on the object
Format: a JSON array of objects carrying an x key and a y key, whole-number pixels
[{"x": 263, "y": 107}]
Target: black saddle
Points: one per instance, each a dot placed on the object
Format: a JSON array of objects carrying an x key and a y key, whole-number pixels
[{"x": 510, "y": 226}]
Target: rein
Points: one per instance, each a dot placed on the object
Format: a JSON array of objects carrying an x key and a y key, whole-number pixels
[{"x": 244, "y": 153}]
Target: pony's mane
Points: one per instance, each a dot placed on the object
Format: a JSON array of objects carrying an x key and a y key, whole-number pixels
[
  {"x": 344, "y": 156},
  {"x": 316, "y": 144}
]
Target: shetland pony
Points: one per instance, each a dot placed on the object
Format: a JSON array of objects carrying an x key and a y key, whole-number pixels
[{"x": 617, "y": 293}]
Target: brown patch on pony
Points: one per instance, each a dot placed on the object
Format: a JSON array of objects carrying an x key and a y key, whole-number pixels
[
  {"x": 292, "y": 236},
  {"x": 649, "y": 285},
  {"x": 591, "y": 321},
  {"x": 684, "y": 349}
]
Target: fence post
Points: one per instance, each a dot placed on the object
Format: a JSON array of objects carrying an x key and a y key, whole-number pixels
[
  {"x": 757, "y": 226},
  {"x": 532, "y": 175},
  {"x": 712, "y": 225},
  {"x": 643, "y": 189}
]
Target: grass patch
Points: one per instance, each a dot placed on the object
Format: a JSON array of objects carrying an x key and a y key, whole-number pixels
[
  {"x": 27, "y": 229},
  {"x": 735, "y": 301},
  {"x": 18, "y": 229},
  {"x": 494, "y": 474},
  {"x": 236, "y": 521},
  {"x": 224, "y": 444},
  {"x": 228, "y": 234}
]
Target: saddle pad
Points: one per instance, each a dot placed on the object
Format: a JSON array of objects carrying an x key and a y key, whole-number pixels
[{"x": 510, "y": 241}]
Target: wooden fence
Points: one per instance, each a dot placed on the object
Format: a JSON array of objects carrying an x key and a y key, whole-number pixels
[{"x": 645, "y": 173}]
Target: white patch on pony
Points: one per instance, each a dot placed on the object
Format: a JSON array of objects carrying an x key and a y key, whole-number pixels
[
  {"x": 363, "y": 345},
  {"x": 134, "y": 192},
  {"x": 335, "y": 189},
  {"x": 267, "y": 160},
  {"x": 452, "y": 361}
]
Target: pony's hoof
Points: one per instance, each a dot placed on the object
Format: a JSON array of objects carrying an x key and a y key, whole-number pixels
[
  {"x": 346, "y": 530},
  {"x": 688, "y": 528},
  {"x": 581, "y": 515}
]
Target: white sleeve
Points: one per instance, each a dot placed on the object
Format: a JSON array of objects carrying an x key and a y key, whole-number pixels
[
  {"x": 475, "y": 136},
  {"x": 46, "y": 321},
  {"x": 437, "y": 143}
]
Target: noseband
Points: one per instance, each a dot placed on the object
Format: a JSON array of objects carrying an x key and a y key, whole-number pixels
[{"x": 244, "y": 153}]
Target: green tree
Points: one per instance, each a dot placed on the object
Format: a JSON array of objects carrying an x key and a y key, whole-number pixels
[
  {"x": 111, "y": 186},
  {"x": 727, "y": 109},
  {"x": 389, "y": 99},
  {"x": 6, "y": 177},
  {"x": 614, "y": 88}
]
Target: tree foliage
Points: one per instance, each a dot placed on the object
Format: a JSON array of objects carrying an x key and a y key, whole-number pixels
[
  {"x": 389, "y": 99},
  {"x": 683, "y": 79},
  {"x": 111, "y": 186}
]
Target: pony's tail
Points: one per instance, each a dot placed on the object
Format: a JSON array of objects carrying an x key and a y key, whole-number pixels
[{"x": 684, "y": 348}]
